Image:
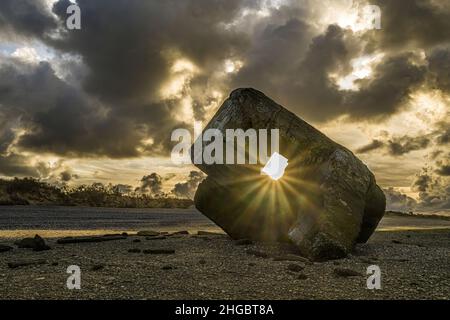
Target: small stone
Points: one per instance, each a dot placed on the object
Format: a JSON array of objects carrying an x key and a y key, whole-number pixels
[
  {"x": 125, "y": 234},
  {"x": 159, "y": 251},
  {"x": 336, "y": 263},
  {"x": 155, "y": 238},
  {"x": 243, "y": 242},
  {"x": 136, "y": 240},
  {"x": 4, "y": 248},
  {"x": 36, "y": 243},
  {"x": 167, "y": 268},
  {"x": 295, "y": 267},
  {"x": 179, "y": 233},
  {"x": 202, "y": 261},
  {"x": 302, "y": 276},
  {"x": 134, "y": 250},
  {"x": 97, "y": 267},
  {"x": 252, "y": 264},
  {"x": 55, "y": 264},
  {"x": 147, "y": 233},
  {"x": 343, "y": 272},
  {"x": 396, "y": 241}
]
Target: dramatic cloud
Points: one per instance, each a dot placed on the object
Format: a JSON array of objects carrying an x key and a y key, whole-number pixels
[
  {"x": 151, "y": 184},
  {"x": 397, "y": 201},
  {"x": 434, "y": 192},
  {"x": 374, "y": 145},
  {"x": 187, "y": 189},
  {"x": 139, "y": 69}
]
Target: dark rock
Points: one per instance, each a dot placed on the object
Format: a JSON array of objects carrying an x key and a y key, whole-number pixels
[
  {"x": 4, "y": 248},
  {"x": 208, "y": 233},
  {"x": 36, "y": 243},
  {"x": 302, "y": 276},
  {"x": 243, "y": 242},
  {"x": 344, "y": 273},
  {"x": 167, "y": 267},
  {"x": 24, "y": 263},
  {"x": 179, "y": 233},
  {"x": 202, "y": 261},
  {"x": 159, "y": 251},
  {"x": 252, "y": 264},
  {"x": 55, "y": 264},
  {"x": 136, "y": 240},
  {"x": 156, "y": 238},
  {"x": 147, "y": 233},
  {"x": 295, "y": 267},
  {"x": 257, "y": 253},
  {"x": 68, "y": 240},
  {"x": 134, "y": 250},
  {"x": 334, "y": 201},
  {"x": 125, "y": 234},
  {"x": 396, "y": 241},
  {"x": 97, "y": 267}
]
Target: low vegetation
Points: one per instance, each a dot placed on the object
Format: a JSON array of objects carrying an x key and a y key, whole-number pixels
[{"x": 29, "y": 191}]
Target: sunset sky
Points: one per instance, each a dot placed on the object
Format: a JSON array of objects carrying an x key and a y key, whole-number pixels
[{"x": 100, "y": 103}]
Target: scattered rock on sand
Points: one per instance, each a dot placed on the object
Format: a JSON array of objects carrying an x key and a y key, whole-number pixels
[
  {"x": 156, "y": 238},
  {"x": 147, "y": 233},
  {"x": 179, "y": 233},
  {"x": 68, "y": 240},
  {"x": 4, "y": 248},
  {"x": 295, "y": 267},
  {"x": 344, "y": 203},
  {"x": 243, "y": 242},
  {"x": 36, "y": 243},
  {"x": 24, "y": 263},
  {"x": 159, "y": 251},
  {"x": 344, "y": 272}
]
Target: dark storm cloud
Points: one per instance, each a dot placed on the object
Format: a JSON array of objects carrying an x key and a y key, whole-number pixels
[
  {"x": 387, "y": 90},
  {"x": 439, "y": 64},
  {"x": 412, "y": 24},
  {"x": 402, "y": 145},
  {"x": 16, "y": 165},
  {"x": 25, "y": 18},
  {"x": 374, "y": 145},
  {"x": 60, "y": 118}
]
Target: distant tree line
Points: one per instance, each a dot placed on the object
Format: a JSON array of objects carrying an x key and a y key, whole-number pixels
[{"x": 26, "y": 191}]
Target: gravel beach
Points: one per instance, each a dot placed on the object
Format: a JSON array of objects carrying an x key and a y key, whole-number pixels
[{"x": 413, "y": 255}]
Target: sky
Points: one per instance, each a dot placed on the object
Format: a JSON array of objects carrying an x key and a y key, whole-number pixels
[{"x": 99, "y": 104}]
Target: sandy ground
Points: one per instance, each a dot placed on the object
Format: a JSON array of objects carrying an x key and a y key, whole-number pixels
[{"x": 413, "y": 255}]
